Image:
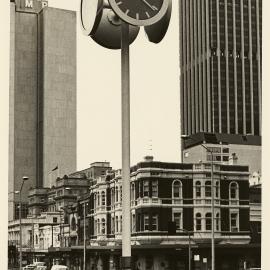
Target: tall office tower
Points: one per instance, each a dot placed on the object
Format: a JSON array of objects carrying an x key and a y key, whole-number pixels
[
  {"x": 220, "y": 61},
  {"x": 42, "y": 131}
]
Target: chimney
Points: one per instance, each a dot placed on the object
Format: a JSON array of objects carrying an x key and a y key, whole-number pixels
[{"x": 233, "y": 159}]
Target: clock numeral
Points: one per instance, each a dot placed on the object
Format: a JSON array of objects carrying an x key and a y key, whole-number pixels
[
  {"x": 119, "y": 3},
  {"x": 127, "y": 11},
  {"x": 154, "y": 8},
  {"x": 147, "y": 14},
  {"x": 137, "y": 16}
]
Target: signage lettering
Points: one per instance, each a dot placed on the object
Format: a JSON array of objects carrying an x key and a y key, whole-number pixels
[{"x": 29, "y": 3}]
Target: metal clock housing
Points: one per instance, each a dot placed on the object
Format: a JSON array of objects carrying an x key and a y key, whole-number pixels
[
  {"x": 140, "y": 12},
  {"x": 90, "y": 15}
]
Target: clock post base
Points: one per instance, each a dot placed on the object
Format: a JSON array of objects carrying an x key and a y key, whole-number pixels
[{"x": 126, "y": 263}]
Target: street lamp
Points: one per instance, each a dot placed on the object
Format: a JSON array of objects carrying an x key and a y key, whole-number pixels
[
  {"x": 212, "y": 200},
  {"x": 84, "y": 236},
  {"x": 25, "y": 178}
]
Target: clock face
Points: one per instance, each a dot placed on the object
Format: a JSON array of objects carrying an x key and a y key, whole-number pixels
[{"x": 140, "y": 12}]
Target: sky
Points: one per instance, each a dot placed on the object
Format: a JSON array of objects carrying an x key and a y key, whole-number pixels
[
  {"x": 155, "y": 117},
  {"x": 154, "y": 93}
]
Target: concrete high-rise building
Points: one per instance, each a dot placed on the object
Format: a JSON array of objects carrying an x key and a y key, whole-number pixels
[
  {"x": 42, "y": 122},
  {"x": 220, "y": 61}
]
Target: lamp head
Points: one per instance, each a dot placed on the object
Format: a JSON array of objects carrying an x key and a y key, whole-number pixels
[
  {"x": 25, "y": 178},
  {"x": 184, "y": 136}
]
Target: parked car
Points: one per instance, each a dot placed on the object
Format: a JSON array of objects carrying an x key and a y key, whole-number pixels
[
  {"x": 59, "y": 267},
  {"x": 30, "y": 267}
]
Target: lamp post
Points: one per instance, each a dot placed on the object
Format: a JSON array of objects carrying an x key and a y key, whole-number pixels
[
  {"x": 212, "y": 201},
  {"x": 84, "y": 237},
  {"x": 25, "y": 178}
]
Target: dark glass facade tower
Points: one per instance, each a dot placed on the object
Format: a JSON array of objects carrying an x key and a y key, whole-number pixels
[{"x": 220, "y": 61}]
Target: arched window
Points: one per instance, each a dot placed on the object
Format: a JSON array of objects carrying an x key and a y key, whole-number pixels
[
  {"x": 73, "y": 224},
  {"x": 234, "y": 191},
  {"x": 208, "y": 189},
  {"x": 103, "y": 198},
  {"x": 198, "y": 222},
  {"x": 98, "y": 226},
  {"x": 103, "y": 226},
  {"x": 217, "y": 222},
  {"x": 36, "y": 239},
  {"x": 121, "y": 194},
  {"x": 208, "y": 221},
  {"x": 198, "y": 189},
  {"x": 177, "y": 189},
  {"x": 217, "y": 189}
]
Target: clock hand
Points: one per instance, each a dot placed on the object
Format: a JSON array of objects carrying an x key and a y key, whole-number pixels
[{"x": 148, "y": 4}]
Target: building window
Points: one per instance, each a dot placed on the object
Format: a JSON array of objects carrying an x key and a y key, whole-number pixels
[
  {"x": 121, "y": 194},
  {"x": 133, "y": 223},
  {"x": 217, "y": 222},
  {"x": 155, "y": 188},
  {"x": 121, "y": 223},
  {"x": 208, "y": 189},
  {"x": 234, "y": 222},
  {"x": 112, "y": 196},
  {"x": 103, "y": 198},
  {"x": 73, "y": 224},
  {"x": 54, "y": 219},
  {"x": 146, "y": 188},
  {"x": 217, "y": 189},
  {"x": 98, "y": 226},
  {"x": 198, "y": 222},
  {"x": 225, "y": 158},
  {"x": 116, "y": 194},
  {"x": 95, "y": 200},
  {"x": 233, "y": 191},
  {"x": 116, "y": 224},
  {"x": 112, "y": 225},
  {"x": 177, "y": 220},
  {"x": 146, "y": 222},
  {"x": 155, "y": 222},
  {"x": 103, "y": 226},
  {"x": 198, "y": 189},
  {"x": 132, "y": 192},
  {"x": 208, "y": 221},
  {"x": 177, "y": 189},
  {"x": 98, "y": 199}
]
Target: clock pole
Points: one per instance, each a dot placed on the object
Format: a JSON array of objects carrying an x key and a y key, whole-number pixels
[{"x": 125, "y": 78}]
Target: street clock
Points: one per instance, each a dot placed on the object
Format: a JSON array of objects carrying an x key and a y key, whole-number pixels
[{"x": 140, "y": 12}]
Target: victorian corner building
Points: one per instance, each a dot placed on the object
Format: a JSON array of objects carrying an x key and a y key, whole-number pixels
[
  {"x": 169, "y": 203},
  {"x": 42, "y": 97}
]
